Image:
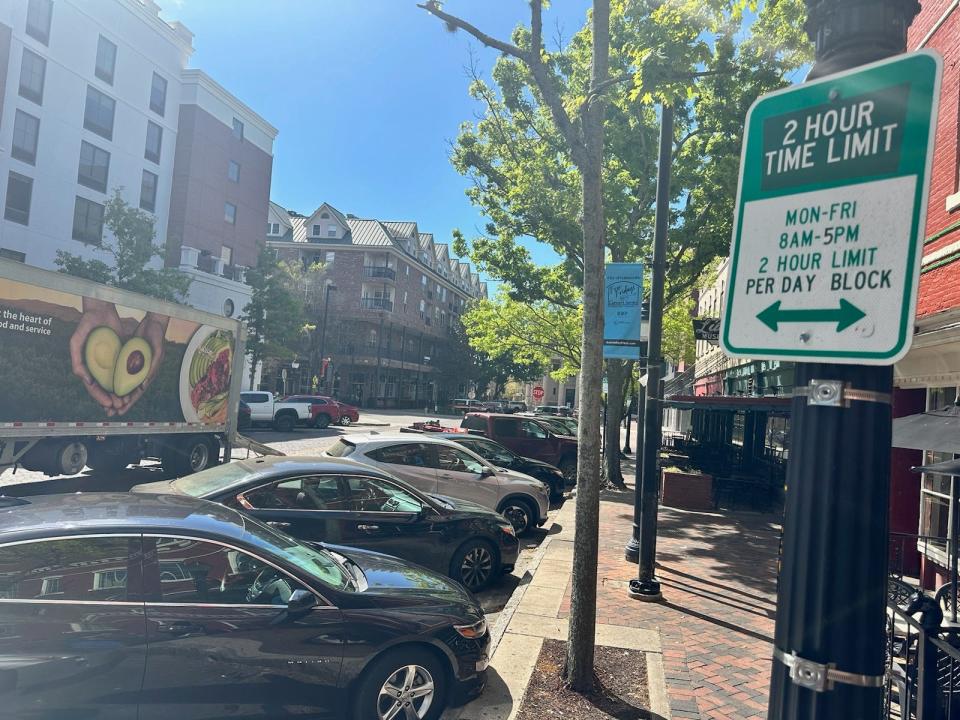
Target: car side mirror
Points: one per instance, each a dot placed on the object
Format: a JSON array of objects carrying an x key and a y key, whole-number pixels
[
  {"x": 487, "y": 472},
  {"x": 301, "y": 602}
]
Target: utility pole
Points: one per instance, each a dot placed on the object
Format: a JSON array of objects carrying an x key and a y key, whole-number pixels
[
  {"x": 645, "y": 586},
  {"x": 829, "y": 640}
]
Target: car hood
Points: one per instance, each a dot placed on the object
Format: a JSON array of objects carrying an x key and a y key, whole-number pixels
[
  {"x": 395, "y": 578},
  {"x": 472, "y": 508},
  {"x": 160, "y": 487},
  {"x": 533, "y": 462},
  {"x": 515, "y": 476}
]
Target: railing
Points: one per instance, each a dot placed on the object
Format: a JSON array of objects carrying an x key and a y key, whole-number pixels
[
  {"x": 370, "y": 303},
  {"x": 375, "y": 271}
]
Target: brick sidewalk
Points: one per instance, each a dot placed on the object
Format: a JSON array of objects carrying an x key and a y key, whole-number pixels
[{"x": 718, "y": 576}]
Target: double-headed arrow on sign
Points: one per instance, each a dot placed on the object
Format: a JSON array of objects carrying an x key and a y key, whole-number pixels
[{"x": 844, "y": 316}]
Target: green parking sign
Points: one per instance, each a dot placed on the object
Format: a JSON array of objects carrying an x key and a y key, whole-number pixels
[{"x": 831, "y": 205}]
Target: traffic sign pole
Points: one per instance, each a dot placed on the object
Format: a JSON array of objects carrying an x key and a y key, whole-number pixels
[{"x": 829, "y": 639}]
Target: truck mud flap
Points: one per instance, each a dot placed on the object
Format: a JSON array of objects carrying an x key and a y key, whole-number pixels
[{"x": 241, "y": 441}]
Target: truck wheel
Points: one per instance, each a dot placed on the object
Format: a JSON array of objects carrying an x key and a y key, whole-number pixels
[
  {"x": 68, "y": 458},
  {"x": 284, "y": 422},
  {"x": 183, "y": 457},
  {"x": 321, "y": 421}
]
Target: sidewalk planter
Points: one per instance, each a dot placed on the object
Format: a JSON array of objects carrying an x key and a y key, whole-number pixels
[{"x": 686, "y": 490}]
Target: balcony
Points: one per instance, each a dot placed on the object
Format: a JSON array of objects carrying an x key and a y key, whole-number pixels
[
  {"x": 374, "y": 303},
  {"x": 376, "y": 271}
]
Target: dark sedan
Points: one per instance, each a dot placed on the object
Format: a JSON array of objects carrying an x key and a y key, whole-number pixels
[
  {"x": 503, "y": 457},
  {"x": 341, "y": 501},
  {"x": 120, "y": 606}
]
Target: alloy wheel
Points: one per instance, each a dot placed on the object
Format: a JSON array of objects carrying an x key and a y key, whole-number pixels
[
  {"x": 345, "y": 420},
  {"x": 476, "y": 568},
  {"x": 518, "y": 515},
  {"x": 407, "y": 694}
]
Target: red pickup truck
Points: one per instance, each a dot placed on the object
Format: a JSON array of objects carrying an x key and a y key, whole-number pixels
[
  {"x": 325, "y": 410},
  {"x": 528, "y": 437}
]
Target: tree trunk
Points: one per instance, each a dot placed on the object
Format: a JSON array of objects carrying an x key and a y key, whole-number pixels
[
  {"x": 618, "y": 375},
  {"x": 583, "y": 601}
]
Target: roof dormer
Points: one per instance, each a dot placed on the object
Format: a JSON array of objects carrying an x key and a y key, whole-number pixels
[{"x": 326, "y": 223}]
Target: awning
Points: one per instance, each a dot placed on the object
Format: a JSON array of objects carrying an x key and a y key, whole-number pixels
[
  {"x": 947, "y": 467},
  {"x": 937, "y": 430}
]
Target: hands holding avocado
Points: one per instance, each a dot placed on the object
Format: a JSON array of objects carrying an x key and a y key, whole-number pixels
[{"x": 116, "y": 372}]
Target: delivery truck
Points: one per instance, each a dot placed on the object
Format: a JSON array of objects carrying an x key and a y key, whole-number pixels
[{"x": 99, "y": 377}]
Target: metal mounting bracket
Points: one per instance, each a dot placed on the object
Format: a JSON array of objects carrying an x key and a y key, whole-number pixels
[
  {"x": 835, "y": 393},
  {"x": 820, "y": 677}
]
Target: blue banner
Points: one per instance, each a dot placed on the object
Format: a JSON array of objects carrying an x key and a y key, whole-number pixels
[{"x": 623, "y": 295}]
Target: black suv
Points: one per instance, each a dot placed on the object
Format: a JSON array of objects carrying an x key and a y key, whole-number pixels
[
  {"x": 151, "y": 606},
  {"x": 527, "y": 436}
]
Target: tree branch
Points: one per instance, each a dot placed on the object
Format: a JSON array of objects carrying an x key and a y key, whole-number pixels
[{"x": 433, "y": 7}]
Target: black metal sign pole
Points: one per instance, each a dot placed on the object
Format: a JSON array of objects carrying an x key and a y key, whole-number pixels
[{"x": 829, "y": 640}]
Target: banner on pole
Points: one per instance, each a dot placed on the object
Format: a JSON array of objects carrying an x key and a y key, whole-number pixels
[{"x": 623, "y": 299}]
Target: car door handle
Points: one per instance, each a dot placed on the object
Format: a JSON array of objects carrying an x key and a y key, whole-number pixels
[
  {"x": 181, "y": 628},
  {"x": 368, "y": 528},
  {"x": 281, "y": 525},
  {"x": 445, "y": 476}
]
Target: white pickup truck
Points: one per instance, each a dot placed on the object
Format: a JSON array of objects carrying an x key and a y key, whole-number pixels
[{"x": 265, "y": 408}]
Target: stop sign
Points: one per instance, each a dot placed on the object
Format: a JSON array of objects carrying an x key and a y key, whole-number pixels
[{"x": 538, "y": 393}]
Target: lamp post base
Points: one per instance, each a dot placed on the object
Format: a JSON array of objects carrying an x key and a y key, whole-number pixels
[
  {"x": 631, "y": 552},
  {"x": 645, "y": 590}
]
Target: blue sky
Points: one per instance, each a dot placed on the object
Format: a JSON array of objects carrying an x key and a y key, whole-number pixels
[{"x": 367, "y": 96}]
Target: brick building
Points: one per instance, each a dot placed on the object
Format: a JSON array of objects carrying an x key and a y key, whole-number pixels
[
  {"x": 929, "y": 376},
  {"x": 395, "y": 302}
]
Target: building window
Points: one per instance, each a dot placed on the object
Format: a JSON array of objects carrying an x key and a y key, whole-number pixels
[
  {"x": 154, "y": 142},
  {"x": 407, "y": 270},
  {"x": 98, "y": 113},
  {"x": 94, "y": 167},
  {"x": 316, "y": 231},
  {"x": 39, "y": 15},
  {"x": 26, "y": 132},
  {"x": 331, "y": 230},
  {"x": 233, "y": 171},
  {"x": 148, "y": 191},
  {"x": 273, "y": 228},
  {"x": 325, "y": 216},
  {"x": 230, "y": 213},
  {"x": 226, "y": 254},
  {"x": 19, "y": 191},
  {"x": 33, "y": 70},
  {"x": 237, "y": 129},
  {"x": 106, "y": 60},
  {"x": 423, "y": 280},
  {"x": 328, "y": 259},
  {"x": 158, "y": 94},
  {"x": 14, "y": 255},
  {"x": 88, "y": 221}
]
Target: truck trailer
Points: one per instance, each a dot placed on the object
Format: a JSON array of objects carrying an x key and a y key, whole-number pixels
[{"x": 95, "y": 376}]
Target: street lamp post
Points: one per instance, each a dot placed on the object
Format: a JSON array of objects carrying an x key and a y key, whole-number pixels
[
  {"x": 831, "y": 598},
  {"x": 323, "y": 330}
]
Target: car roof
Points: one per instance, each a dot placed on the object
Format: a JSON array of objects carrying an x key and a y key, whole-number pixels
[
  {"x": 283, "y": 464},
  {"x": 494, "y": 415},
  {"x": 392, "y": 438},
  {"x": 83, "y": 513}
]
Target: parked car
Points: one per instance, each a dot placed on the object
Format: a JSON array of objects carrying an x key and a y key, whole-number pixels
[
  {"x": 464, "y": 405},
  {"x": 438, "y": 466},
  {"x": 325, "y": 410},
  {"x": 559, "y": 425},
  {"x": 553, "y": 410},
  {"x": 283, "y": 416},
  {"x": 527, "y": 436},
  {"x": 506, "y": 458},
  {"x": 318, "y": 499},
  {"x": 243, "y": 416},
  {"x": 239, "y": 619},
  {"x": 516, "y": 406}
]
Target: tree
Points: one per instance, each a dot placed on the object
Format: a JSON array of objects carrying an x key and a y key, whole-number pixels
[
  {"x": 275, "y": 314},
  {"x": 132, "y": 248},
  {"x": 678, "y": 341},
  {"x": 581, "y": 127}
]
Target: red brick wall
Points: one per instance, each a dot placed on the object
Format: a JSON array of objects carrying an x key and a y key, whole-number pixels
[{"x": 940, "y": 288}]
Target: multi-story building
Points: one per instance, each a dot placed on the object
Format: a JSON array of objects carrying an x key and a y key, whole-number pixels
[
  {"x": 392, "y": 299},
  {"x": 95, "y": 97}
]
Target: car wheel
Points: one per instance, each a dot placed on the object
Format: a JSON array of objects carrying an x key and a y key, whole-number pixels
[
  {"x": 402, "y": 684},
  {"x": 475, "y": 565},
  {"x": 519, "y": 513},
  {"x": 321, "y": 421},
  {"x": 345, "y": 420},
  {"x": 186, "y": 456},
  {"x": 568, "y": 466},
  {"x": 284, "y": 423}
]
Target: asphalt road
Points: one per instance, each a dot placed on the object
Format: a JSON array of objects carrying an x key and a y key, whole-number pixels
[{"x": 301, "y": 441}]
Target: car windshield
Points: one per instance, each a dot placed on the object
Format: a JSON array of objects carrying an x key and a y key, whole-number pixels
[
  {"x": 494, "y": 453},
  {"x": 313, "y": 561},
  {"x": 341, "y": 448},
  {"x": 216, "y": 478}
]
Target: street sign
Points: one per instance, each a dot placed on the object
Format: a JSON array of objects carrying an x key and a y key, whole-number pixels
[
  {"x": 622, "y": 325},
  {"x": 830, "y": 216},
  {"x": 706, "y": 328},
  {"x": 538, "y": 393}
]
